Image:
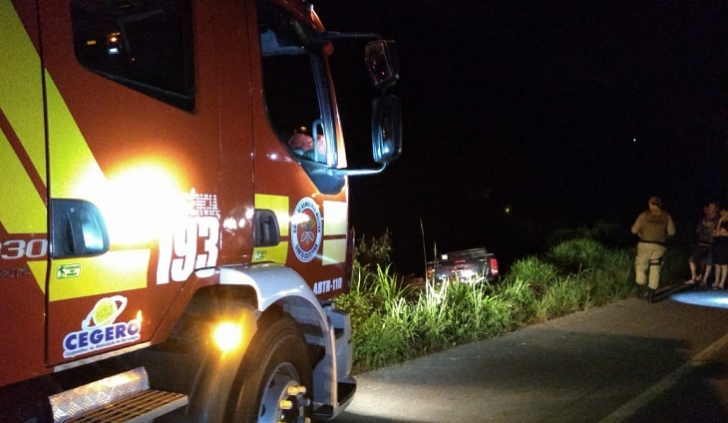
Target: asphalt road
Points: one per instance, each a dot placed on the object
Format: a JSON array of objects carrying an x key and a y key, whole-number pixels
[{"x": 630, "y": 361}]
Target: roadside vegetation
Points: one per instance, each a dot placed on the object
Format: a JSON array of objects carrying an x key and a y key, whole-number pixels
[{"x": 395, "y": 320}]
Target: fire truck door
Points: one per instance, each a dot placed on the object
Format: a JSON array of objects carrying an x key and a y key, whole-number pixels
[
  {"x": 23, "y": 214},
  {"x": 132, "y": 151}
]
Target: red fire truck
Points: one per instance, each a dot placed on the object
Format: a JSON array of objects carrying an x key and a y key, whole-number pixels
[{"x": 174, "y": 215}]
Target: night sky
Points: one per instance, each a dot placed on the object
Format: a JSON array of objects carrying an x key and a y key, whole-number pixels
[{"x": 564, "y": 112}]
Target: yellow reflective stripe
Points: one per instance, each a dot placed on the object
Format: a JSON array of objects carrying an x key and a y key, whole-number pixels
[
  {"x": 334, "y": 218},
  {"x": 22, "y": 210},
  {"x": 74, "y": 170},
  {"x": 277, "y": 253},
  {"x": 39, "y": 268},
  {"x": 112, "y": 272},
  {"x": 334, "y": 251},
  {"x": 21, "y": 97},
  {"x": 335, "y": 213},
  {"x": 278, "y": 204}
]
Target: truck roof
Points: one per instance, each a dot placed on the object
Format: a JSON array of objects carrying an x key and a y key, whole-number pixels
[
  {"x": 466, "y": 254},
  {"x": 480, "y": 253}
]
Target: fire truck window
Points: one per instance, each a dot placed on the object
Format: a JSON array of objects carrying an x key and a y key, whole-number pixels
[
  {"x": 292, "y": 102},
  {"x": 296, "y": 88},
  {"x": 145, "y": 45}
]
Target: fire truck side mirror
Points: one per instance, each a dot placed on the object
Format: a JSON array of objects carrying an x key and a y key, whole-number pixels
[
  {"x": 382, "y": 60},
  {"x": 386, "y": 129}
]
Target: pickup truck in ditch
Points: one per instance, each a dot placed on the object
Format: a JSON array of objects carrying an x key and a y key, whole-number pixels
[{"x": 468, "y": 266}]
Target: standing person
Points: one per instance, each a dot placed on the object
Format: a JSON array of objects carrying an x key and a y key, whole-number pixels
[
  {"x": 653, "y": 226},
  {"x": 720, "y": 251},
  {"x": 702, "y": 255}
]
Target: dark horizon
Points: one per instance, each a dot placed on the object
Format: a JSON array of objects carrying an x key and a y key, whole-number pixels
[{"x": 565, "y": 113}]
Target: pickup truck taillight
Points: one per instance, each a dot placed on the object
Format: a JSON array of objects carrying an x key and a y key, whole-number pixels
[{"x": 494, "y": 266}]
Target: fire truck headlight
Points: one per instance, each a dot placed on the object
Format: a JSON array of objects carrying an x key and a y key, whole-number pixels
[{"x": 228, "y": 336}]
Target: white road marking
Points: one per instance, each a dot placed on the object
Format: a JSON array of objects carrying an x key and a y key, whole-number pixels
[{"x": 628, "y": 409}]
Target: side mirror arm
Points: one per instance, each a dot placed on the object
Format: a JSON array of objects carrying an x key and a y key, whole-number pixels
[{"x": 360, "y": 172}]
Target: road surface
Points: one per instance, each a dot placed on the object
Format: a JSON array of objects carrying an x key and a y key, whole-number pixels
[{"x": 629, "y": 361}]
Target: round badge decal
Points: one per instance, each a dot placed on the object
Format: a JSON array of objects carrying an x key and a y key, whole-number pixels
[
  {"x": 306, "y": 230},
  {"x": 105, "y": 312}
]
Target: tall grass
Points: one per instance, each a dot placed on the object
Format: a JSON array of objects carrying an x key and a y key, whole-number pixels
[{"x": 394, "y": 321}]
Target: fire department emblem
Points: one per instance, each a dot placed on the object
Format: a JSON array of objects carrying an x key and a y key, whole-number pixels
[{"x": 306, "y": 230}]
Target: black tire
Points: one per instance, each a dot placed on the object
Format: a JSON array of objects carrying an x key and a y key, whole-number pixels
[{"x": 276, "y": 358}]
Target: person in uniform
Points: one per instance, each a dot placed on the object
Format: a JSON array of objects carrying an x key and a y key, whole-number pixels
[{"x": 652, "y": 226}]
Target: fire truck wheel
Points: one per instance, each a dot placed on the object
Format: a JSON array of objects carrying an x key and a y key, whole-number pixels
[{"x": 277, "y": 359}]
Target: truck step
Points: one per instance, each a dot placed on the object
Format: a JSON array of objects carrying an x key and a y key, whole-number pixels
[
  {"x": 346, "y": 392},
  {"x": 123, "y": 398}
]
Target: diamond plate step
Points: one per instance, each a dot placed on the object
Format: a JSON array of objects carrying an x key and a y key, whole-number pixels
[
  {"x": 142, "y": 407},
  {"x": 123, "y": 398}
]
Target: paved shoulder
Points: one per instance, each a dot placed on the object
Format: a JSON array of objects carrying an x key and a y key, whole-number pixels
[{"x": 579, "y": 368}]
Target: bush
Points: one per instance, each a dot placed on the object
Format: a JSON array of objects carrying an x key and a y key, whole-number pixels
[
  {"x": 400, "y": 329},
  {"x": 374, "y": 251},
  {"x": 521, "y": 300},
  {"x": 380, "y": 341},
  {"x": 576, "y": 254},
  {"x": 393, "y": 321},
  {"x": 564, "y": 296},
  {"x": 533, "y": 271}
]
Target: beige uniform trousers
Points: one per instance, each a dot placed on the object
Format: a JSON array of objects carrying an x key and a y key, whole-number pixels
[{"x": 649, "y": 260}]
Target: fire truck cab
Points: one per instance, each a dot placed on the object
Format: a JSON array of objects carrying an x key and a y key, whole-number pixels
[{"x": 174, "y": 222}]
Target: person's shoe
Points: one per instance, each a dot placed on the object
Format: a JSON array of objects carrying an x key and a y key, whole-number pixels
[{"x": 650, "y": 295}]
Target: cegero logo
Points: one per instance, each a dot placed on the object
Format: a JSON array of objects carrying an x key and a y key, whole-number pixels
[{"x": 100, "y": 330}]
